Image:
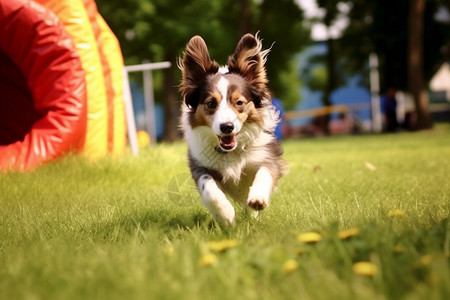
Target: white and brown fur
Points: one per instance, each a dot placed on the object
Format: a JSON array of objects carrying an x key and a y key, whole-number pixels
[{"x": 228, "y": 121}]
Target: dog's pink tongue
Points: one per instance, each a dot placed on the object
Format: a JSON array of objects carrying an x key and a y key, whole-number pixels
[{"x": 228, "y": 142}]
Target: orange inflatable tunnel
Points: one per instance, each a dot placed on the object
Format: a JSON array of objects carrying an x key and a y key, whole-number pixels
[{"x": 60, "y": 83}]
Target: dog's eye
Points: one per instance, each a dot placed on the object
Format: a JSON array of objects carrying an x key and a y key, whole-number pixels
[
  {"x": 239, "y": 103},
  {"x": 211, "y": 104}
]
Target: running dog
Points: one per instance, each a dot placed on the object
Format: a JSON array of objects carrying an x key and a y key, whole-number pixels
[{"x": 228, "y": 122}]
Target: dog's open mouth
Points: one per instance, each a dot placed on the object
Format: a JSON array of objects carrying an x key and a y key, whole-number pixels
[{"x": 227, "y": 142}]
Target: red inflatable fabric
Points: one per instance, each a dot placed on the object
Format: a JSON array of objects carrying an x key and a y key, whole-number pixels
[{"x": 42, "y": 84}]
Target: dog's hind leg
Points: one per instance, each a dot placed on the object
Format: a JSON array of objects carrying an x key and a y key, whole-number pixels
[{"x": 216, "y": 201}]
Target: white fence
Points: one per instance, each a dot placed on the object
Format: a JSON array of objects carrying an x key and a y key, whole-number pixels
[{"x": 149, "y": 101}]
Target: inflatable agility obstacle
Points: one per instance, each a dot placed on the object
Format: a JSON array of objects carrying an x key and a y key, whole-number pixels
[{"x": 60, "y": 83}]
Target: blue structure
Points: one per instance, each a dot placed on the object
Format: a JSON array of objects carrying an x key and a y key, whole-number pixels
[
  {"x": 351, "y": 94},
  {"x": 280, "y": 109},
  {"x": 139, "y": 111}
]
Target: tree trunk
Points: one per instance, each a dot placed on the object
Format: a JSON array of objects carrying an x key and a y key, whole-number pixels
[
  {"x": 244, "y": 18},
  {"x": 416, "y": 80},
  {"x": 171, "y": 107},
  {"x": 330, "y": 84}
]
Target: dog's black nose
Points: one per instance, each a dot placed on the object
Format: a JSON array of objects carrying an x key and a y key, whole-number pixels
[{"x": 226, "y": 128}]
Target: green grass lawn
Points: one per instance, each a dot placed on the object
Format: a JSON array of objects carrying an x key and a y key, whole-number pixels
[{"x": 122, "y": 229}]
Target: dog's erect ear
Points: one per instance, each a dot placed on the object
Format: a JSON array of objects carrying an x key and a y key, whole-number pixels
[
  {"x": 248, "y": 61},
  {"x": 195, "y": 66}
]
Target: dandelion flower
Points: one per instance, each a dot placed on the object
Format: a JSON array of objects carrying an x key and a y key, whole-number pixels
[
  {"x": 348, "y": 233},
  {"x": 365, "y": 268},
  {"x": 423, "y": 261},
  {"x": 396, "y": 213},
  {"x": 370, "y": 166},
  {"x": 208, "y": 260},
  {"x": 399, "y": 249},
  {"x": 290, "y": 266},
  {"x": 309, "y": 237},
  {"x": 220, "y": 246},
  {"x": 170, "y": 251}
]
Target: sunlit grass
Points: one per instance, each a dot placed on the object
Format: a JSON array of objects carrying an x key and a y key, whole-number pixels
[{"x": 76, "y": 229}]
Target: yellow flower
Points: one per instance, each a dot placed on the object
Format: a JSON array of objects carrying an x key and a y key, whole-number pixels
[
  {"x": 365, "y": 268},
  {"x": 170, "y": 251},
  {"x": 396, "y": 213},
  {"x": 370, "y": 166},
  {"x": 309, "y": 237},
  {"x": 208, "y": 260},
  {"x": 220, "y": 246},
  {"x": 290, "y": 266},
  {"x": 399, "y": 249},
  {"x": 423, "y": 261},
  {"x": 348, "y": 233},
  {"x": 143, "y": 138}
]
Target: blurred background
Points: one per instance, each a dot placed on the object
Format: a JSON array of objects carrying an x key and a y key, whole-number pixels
[{"x": 333, "y": 64}]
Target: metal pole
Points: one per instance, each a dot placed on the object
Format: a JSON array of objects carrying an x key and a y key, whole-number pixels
[
  {"x": 149, "y": 105},
  {"x": 148, "y": 66},
  {"x": 149, "y": 101},
  {"x": 131, "y": 125},
  {"x": 375, "y": 91}
]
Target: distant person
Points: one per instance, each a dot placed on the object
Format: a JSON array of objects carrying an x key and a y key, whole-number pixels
[
  {"x": 389, "y": 107},
  {"x": 280, "y": 109}
]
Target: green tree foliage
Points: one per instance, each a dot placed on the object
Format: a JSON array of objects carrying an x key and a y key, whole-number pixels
[
  {"x": 281, "y": 24},
  {"x": 332, "y": 77},
  {"x": 317, "y": 79},
  {"x": 147, "y": 29},
  {"x": 382, "y": 27},
  {"x": 388, "y": 29}
]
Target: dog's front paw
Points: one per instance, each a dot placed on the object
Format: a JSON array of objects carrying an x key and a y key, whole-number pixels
[
  {"x": 258, "y": 197},
  {"x": 216, "y": 201},
  {"x": 257, "y": 203},
  {"x": 224, "y": 215}
]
